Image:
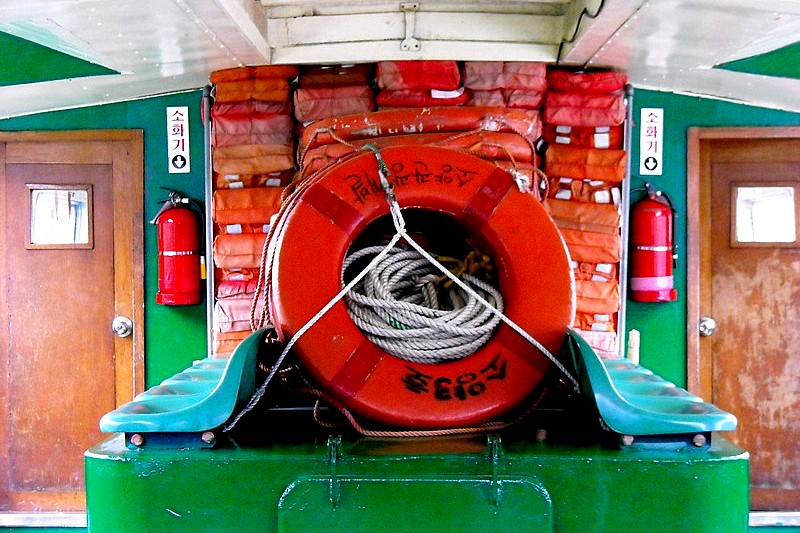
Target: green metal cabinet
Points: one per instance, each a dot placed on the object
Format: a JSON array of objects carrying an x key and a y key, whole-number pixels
[{"x": 447, "y": 484}]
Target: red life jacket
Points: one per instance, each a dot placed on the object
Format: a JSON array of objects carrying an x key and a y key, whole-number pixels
[{"x": 440, "y": 75}]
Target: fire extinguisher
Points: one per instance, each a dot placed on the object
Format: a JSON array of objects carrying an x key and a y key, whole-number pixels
[
  {"x": 180, "y": 251},
  {"x": 653, "y": 250}
]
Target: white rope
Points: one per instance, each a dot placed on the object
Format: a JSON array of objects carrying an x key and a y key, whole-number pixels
[
  {"x": 399, "y": 224},
  {"x": 396, "y": 306},
  {"x": 308, "y": 325}
]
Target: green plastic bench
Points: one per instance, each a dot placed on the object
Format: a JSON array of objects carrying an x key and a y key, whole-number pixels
[
  {"x": 632, "y": 401},
  {"x": 198, "y": 400}
]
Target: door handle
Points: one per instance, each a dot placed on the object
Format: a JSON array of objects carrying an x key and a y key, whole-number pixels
[
  {"x": 122, "y": 326},
  {"x": 707, "y": 326}
]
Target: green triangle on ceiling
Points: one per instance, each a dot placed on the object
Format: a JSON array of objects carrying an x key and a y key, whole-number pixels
[
  {"x": 781, "y": 63},
  {"x": 34, "y": 63}
]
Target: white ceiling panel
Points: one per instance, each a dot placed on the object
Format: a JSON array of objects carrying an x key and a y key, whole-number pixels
[{"x": 172, "y": 45}]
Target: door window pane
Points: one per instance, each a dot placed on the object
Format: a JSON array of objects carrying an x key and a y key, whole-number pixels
[
  {"x": 765, "y": 214},
  {"x": 60, "y": 216}
]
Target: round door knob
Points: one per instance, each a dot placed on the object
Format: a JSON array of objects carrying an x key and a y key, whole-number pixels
[
  {"x": 707, "y": 326},
  {"x": 122, "y": 326}
]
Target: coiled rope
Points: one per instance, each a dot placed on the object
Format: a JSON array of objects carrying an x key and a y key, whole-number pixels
[{"x": 397, "y": 307}]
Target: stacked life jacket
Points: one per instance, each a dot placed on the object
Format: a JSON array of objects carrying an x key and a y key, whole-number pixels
[
  {"x": 419, "y": 84},
  {"x": 505, "y": 84},
  {"x": 504, "y": 136},
  {"x": 329, "y": 91},
  {"x": 585, "y": 162},
  {"x": 252, "y": 138}
]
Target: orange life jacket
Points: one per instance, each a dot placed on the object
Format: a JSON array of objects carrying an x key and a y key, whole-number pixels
[
  {"x": 317, "y": 102},
  {"x": 238, "y": 251},
  {"x": 223, "y": 109},
  {"x": 584, "y": 109},
  {"x": 586, "y": 137},
  {"x": 587, "y": 82},
  {"x": 261, "y": 71},
  {"x": 592, "y": 247},
  {"x": 595, "y": 322},
  {"x": 598, "y": 218},
  {"x": 248, "y": 210},
  {"x": 421, "y": 97},
  {"x": 519, "y": 98},
  {"x": 252, "y": 158},
  {"x": 596, "y": 191},
  {"x": 328, "y": 75},
  {"x": 265, "y": 89},
  {"x": 585, "y": 163},
  {"x": 597, "y": 297},
  {"x": 603, "y": 342},
  {"x": 488, "y": 75},
  {"x": 251, "y": 128},
  {"x": 232, "y": 314},
  {"x": 225, "y": 342},
  {"x": 279, "y": 178},
  {"x": 236, "y": 288}
]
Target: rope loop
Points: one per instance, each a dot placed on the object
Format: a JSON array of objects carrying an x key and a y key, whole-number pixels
[{"x": 406, "y": 308}]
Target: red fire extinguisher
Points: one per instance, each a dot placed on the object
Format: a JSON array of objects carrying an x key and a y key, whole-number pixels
[
  {"x": 653, "y": 250},
  {"x": 180, "y": 251}
]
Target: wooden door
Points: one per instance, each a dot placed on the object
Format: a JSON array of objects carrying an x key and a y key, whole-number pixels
[
  {"x": 65, "y": 274},
  {"x": 748, "y": 281}
]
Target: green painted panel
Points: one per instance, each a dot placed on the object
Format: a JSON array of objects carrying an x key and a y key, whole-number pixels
[
  {"x": 43, "y": 530},
  {"x": 174, "y": 336},
  {"x": 369, "y": 504},
  {"x": 783, "y": 63},
  {"x": 590, "y": 488},
  {"x": 663, "y": 325},
  {"x": 34, "y": 63}
]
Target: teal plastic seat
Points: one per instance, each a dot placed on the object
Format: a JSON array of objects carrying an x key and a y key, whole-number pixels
[
  {"x": 632, "y": 400},
  {"x": 200, "y": 398}
]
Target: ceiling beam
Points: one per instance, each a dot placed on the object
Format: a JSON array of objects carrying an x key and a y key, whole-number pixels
[
  {"x": 390, "y": 50},
  {"x": 489, "y": 27},
  {"x": 595, "y": 27}
]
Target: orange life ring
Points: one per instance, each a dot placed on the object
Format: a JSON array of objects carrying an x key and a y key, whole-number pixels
[{"x": 533, "y": 271}]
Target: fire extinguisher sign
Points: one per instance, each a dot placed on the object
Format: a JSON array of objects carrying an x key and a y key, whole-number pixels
[
  {"x": 651, "y": 137},
  {"x": 178, "y": 139}
]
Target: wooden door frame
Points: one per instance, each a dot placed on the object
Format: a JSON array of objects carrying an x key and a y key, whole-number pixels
[
  {"x": 698, "y": 282},
  {"x": 698, "y": 238},
  {"x": 123, "y": 150}
]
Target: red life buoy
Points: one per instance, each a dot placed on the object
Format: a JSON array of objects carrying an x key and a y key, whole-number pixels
[{"x": 531, "y": 261}]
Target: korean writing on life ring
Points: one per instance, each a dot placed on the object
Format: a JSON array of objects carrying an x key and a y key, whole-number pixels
[
  {"x": 462, "y": 387},
  {"x": 363, "y": 186}
]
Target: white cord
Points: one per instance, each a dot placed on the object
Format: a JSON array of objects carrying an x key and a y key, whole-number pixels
[{"x": 396, "y": 306}]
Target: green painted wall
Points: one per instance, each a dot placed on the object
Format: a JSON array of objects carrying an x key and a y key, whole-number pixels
[
  {"x": 41, "y": 63},
  {"x": 174, "y": 336},
  {"x": 663, "y": 325}
]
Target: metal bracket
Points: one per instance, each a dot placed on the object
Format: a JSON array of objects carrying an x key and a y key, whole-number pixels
[
  {"x": 334, "y": 453},
  {"x": 410, "y": 44},
  {"x": 493, "y": 445},
  {"x": 171, "y": 440}
]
